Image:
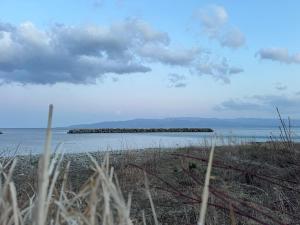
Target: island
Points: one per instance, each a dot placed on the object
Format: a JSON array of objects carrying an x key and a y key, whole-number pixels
[{"x": 138, "y": 130}]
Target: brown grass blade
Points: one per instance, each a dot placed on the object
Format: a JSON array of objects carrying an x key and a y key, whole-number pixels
[
  {"x": 43, "y": 176},
  {"x": 205, "y": 192}
]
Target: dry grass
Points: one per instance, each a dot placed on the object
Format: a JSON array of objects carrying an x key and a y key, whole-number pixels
[
  {"x": 99, "y": 200},
  {"x": 205, "y": 193},
  {"x": 249, "y": 184}
]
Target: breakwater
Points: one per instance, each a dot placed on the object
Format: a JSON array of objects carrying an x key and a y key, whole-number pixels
[{"x": 138, "y": 130}]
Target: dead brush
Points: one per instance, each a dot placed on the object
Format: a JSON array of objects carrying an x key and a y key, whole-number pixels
[
  {"x": 235, "y": 206},
  {"x": 10, "y": 213},
  {"x": 285, "y": 140}
]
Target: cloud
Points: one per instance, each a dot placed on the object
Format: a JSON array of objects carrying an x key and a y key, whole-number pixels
[
  {"x": 174, "y": 77},
  {"x": 177, "y": 80},
  {"x": 84, "y": 54},
  {"x": 180, "y": 85},
  {"x": 6, "y": 27},
  {"x": 236, "y": 105},
  {"x": 219, "y": 70},
  {"x": 280, "y": 87},
  {"x": 235, "y": 70},
  {"x": 261, "y": 103},
  {"x": 200, "y": 62},
  {"x": 180, "y": 57},
  {"x": 233, "y": 38},
  {"x": 115, "y": 79},
  {"x": 279, "y": 54},
  {"x": 214, "y": 21},
  {"x": 73, "y": 54},
  {"x": 212, "y": 18}
]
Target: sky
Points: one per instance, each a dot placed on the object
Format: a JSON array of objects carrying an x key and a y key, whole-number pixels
[{"x": 99, "y": 60}]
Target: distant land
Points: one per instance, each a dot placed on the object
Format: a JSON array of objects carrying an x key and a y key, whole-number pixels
[{"x": 187, "y": 122}]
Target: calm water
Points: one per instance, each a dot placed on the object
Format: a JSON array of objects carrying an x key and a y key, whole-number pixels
[{"x": 32, "y": 140}]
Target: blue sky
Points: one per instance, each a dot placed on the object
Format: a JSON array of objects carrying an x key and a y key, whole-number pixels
[{"x": 117, "y": 60}]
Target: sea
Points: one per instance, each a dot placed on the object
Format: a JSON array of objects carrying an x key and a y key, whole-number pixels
[{"x": 24, "y": 141}]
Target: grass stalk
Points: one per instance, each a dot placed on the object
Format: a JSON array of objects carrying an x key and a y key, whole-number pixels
[
  {"x": 151, "y": 200},
  {"x": 43, "y": 176},
  {"x": 205, "y": 192}
]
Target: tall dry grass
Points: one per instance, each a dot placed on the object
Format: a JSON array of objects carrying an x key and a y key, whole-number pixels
[
  {"x": 99, "y": 201},
  {"x": 205, "y": 193}
]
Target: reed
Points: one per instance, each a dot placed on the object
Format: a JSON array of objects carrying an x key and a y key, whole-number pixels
[
  {"x": 205, "y": 193},
  {"x": 41, "y": 202}
]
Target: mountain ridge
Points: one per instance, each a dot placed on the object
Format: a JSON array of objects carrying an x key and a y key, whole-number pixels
[{"x": 187, "y": 122}]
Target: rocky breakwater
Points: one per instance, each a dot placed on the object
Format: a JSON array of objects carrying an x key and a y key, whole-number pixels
[{"x": 138, "y": 130}]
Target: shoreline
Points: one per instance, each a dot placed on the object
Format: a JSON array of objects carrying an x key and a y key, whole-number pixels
[
  {"x": 116, "y": 153},
  {"x": 166, "y": 149},
  {"x": 11, "y": 154}
]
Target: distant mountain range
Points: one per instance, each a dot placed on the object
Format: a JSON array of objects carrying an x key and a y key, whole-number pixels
[{"x": 187, "y": 122}]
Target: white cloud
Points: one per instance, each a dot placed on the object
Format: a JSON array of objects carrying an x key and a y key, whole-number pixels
[
  {"x": 84, "y": 54},
  {"x": 219, "y": 70},
  {"x": 289, "y": 104},
  {"x": 280, "y": 86},
  {"x": 181, "y": 57},
  {"x": 279, "y": 54},
  {"x": 212, "y": 18},
  {"x": 235, "y": 70},
  {"x": 73, "y": 54},
  {"x": 233, "y": 38},
  {"x": 214, "y": 21},
  {"x": 180, "y": 85},
  {"x": 177, "y": 80},
  {"x": 237, "y": 105}
]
